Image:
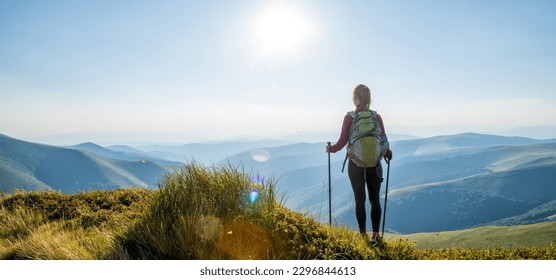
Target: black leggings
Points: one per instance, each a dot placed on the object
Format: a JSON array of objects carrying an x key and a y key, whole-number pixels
[{"x": 373, "y": 177}]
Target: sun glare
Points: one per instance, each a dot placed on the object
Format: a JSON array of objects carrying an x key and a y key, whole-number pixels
[{"x": 281, "y": 29}]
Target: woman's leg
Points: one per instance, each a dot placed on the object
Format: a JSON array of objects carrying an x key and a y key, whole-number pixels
[
  {"x": 374, "y": 180},
  {"x": 357, "y": 179}
]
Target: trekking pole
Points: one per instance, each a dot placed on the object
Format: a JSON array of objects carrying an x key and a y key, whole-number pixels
[
  {"x": 385, "y": 197},
  {"x": 329, "y": 190}
]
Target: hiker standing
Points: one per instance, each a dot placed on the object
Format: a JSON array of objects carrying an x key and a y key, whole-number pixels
[{"x": 361, "y": 176}]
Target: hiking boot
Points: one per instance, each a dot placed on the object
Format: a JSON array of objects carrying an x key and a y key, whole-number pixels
[{"x": 376, "y": 240}]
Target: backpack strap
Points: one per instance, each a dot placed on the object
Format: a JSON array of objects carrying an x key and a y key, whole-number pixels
[
  {"x": 344, "y": 164},
  {"x": 353, "y": 116}
]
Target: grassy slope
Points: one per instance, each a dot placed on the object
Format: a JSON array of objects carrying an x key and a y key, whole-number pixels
[
  {"x": 203, "y": 214},
  {"x": 539, "y": 235}
]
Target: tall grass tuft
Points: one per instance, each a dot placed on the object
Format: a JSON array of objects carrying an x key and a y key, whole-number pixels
[
  {"x": 203, "y": 213},
  {"x": 210, "y": 213}
]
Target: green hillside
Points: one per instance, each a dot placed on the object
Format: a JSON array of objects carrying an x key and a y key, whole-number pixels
[
  {"x": 211, "y": 213},
  {"x": 534, "y": 235},
  {"x": 37, "y": 167}
]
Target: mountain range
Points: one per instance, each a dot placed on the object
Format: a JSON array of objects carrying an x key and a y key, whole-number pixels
[
  {"x": 435, "y": 184},
  {"x": 31, "y": 166}
]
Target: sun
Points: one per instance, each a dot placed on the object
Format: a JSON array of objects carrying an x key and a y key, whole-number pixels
[{"x": 282, "y": 29}]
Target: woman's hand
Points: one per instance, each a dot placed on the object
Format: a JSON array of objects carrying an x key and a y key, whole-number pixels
[{"x": 388, "y": 155}]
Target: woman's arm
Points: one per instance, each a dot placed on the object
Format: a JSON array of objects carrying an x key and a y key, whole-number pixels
[{"x": 344, "y": 135}]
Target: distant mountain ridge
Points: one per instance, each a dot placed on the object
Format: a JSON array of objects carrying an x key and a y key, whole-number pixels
[
  {"x": 128, "y": 154},
  {"x": 31, "y": 166},
  {"x": 208, "y": 153}
]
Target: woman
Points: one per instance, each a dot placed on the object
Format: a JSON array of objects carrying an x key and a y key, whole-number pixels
[{"x": 361, "y": 176}]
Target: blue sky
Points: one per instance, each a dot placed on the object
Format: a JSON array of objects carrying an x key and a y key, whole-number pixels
[{"x": 178, "y": 71}]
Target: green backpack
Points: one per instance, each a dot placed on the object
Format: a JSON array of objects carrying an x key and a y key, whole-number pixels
[{"x": 366, "y": 146}]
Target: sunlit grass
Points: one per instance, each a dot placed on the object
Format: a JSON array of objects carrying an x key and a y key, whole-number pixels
[
  {"x": 51, "y": 225},
  {"x": 537, "y": 235},
  {"x": 199, "y": 212},
  {"x": 53, "y": 242}
]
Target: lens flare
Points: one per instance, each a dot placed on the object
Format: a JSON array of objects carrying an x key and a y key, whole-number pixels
[
  {"x": 259, "y": 180},
  {"x": 253, "y": 196},
  {"x": 208, "y": 227},
  {"x": 260, "y": 155},
  {"x": 251, "y": 201},
  {"x": 245, "y": 241}
]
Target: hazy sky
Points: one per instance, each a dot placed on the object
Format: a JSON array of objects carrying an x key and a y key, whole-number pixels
[{"x": 208, "y": 70}]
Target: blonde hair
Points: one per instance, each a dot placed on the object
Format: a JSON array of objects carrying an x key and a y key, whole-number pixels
[{"x": 363, "y": 93}]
